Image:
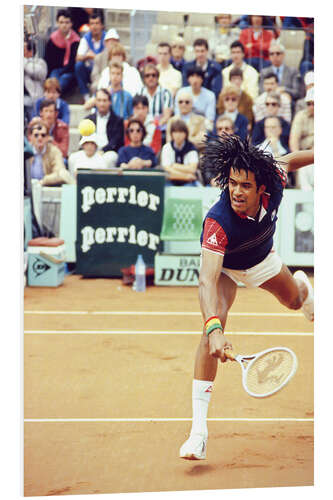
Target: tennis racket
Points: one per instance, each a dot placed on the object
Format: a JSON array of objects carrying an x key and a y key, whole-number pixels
[{"x": 265, "y": 372}]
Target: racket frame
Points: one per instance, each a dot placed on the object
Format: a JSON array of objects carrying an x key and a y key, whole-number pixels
[{"x": 247, "y": 361}]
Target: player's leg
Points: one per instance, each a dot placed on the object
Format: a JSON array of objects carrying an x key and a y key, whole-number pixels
[
  {"x": 292, "y": 291},
  {"x": 205, "y": 368}
]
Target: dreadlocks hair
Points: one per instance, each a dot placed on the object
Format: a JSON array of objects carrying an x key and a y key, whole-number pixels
[{"x": 229, "y": 151}]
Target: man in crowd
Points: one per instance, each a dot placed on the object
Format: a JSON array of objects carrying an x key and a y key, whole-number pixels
[
  {"x": 271, "y": 84},
  {"x": 230, "y": 98},
  {"x": 47, "y": 163},
  {"x": 250, "y": 75},
  {"x": 109, "y": 127},
  {"x": 288, "y": 78},
  {"x": 245, "y": 103},
  {"x": 211, "y": 69},
  {"x": 302, "y": 127},
  {"x": 224, "y": 36},
  {"x": 170, "y": 78},
  {"x": 60, "y": 51},
  {"x": 272, "y": 143},
  {"x": 57, "y": 129},
  {"x": 91, "y": 44},
  {"x": 136, "y": 155},
  {"x": 35, "y": 71},
  {"x": 159, "y": 98},
  {"x": 52, "y": 91},
  {"x": 273, "y": 109},
  {"x": 153, "y": 137},
  {"x": 196, "y": 124},
  {"x": 204, "y": 101},
  {"x": 102, "y": 59},
  {"x": 177, "y": 53}
]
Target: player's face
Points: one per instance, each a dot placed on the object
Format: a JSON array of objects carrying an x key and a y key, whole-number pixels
[{"x": 244, "y": 194}]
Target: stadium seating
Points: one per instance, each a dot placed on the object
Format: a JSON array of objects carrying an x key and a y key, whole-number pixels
[{"x": 164, "y": 32}]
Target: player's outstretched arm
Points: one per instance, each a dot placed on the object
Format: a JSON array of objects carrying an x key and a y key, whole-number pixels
[
  {"x": 297, "y": 159},
  {"x": 210, "y": 272}
]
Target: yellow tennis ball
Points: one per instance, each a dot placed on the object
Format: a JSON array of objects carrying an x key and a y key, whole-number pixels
[{"x": 86, "y": 127}]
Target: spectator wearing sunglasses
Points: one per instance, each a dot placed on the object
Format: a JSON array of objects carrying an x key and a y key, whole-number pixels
[
  {"x": 196, "y": 124},
  {"x": 230, "y": 99},
  {"x": 288, "y": 78},
  {"x": 136, "y": 155},
  {"x": 272, "y": 109},
  {"x": 177, "y": 53},
  {"x": 46, "y": 164},
  {"x": 271, "y": 84},
  {"x": 159, "y": 98},
  {"x": 245, "y": 104}
]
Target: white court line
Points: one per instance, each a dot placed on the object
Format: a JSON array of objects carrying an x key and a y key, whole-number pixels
[
  {"x": 154, "y": 332},
  {"x": 34, "y": 420},
  {"x": 161, "y": 313}
]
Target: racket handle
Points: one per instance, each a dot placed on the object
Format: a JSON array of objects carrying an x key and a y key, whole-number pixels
[{"x": 229, "y": 354}]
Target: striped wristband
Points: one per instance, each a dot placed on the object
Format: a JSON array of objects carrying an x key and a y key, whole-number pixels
[{"x": 212, "y": 324}]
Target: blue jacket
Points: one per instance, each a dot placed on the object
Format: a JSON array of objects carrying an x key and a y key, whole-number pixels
[
  {"x": 126, "y": 153},
  {"x": 213, "y": 76}
]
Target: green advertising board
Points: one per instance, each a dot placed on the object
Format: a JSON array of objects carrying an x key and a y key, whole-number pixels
[{"x": 119, "y": 215}]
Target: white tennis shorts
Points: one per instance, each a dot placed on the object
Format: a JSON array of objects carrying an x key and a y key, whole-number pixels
[{"x": 258, "y": 274}]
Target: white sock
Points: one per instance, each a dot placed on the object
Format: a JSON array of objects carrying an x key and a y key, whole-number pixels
[{"x": 201, "y": 394}]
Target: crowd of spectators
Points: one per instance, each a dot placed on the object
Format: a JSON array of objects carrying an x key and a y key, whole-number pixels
[{"x": 157, "y": 113}]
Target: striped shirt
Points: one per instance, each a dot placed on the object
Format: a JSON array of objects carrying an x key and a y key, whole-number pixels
[{"x": 161, "y": 100}]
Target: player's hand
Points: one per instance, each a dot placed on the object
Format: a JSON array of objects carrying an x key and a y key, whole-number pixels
[{"x": 217, "y": 343}]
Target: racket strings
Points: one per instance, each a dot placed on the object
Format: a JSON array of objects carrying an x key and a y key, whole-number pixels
[{"x": 269, "y": 372}]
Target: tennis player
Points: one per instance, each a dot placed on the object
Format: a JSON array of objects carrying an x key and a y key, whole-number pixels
[{"x": 237, "y": 246}]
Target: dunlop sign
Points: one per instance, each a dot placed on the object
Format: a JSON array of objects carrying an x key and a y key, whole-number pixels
[
  {"x": 119, "y": 216},
  {"x": 177, "y": 270}
]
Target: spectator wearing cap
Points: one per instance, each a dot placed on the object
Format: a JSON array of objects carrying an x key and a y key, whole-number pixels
[
  {"x": 57, "y": 129},
  {"x": 225, "y": 34},
  {"x": 46, "y": 164},
  {"x": 245, "y": 101},
  {"x": 52, "y": 91},
  {"x": 179, "y": 157},
  {"x": 196, "y": 124},
  {"x": 273, "y": 108},
  {"x": 60, "y": 51},
  {"x": 308, "y": 83},
  {"x": 204, "y": 101},
  {"x": 87, "y": 156},
  {"x": 256, "y": 41},
  {"x": 131, "y": 77},
  {"x": 35, "y": 71},
  {"x": 177, "y": 53},
  {"x": 302, "y": 127},
  {"x": 230, "y": 98},
  {"x": 170, "y": 78},
  {"x": 271, "y": 84},
  {"x": 101, "y": 60},
  {"x": 121, "y": 100},
  {"x": 211, "y": 69},
  {"x": 136, "y": 155},
  {"x": 91, "y": 44},
  {"x": 109, "y": 127},
  {"x": 288, "y": 78},
  {"x": 159, "y": 98},
  {"x": 250, "y": 75}
]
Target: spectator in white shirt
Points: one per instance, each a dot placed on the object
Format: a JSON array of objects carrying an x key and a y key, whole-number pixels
[
  {"x": 271, "y": 84},
  {"x": 87, "y": 157},
  {"x": 170, "y": 78},
  {"x": 250, "y": 82}
]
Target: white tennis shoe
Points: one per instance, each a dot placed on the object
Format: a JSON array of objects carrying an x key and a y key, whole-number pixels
[
  {"x": 308, "y": 305},
  {"x": 194, "y": 448}
]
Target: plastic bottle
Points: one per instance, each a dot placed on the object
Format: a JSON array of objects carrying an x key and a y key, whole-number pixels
[{"x": 140, "y": 274}]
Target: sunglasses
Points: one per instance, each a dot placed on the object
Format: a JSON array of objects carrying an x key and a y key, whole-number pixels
[
  {"x": 184, "y": 102},
  {"x": 233, "y": 99},
  {"x": 310, "y": 103},
  {"x": 41, "y": 134},
  {"x": 275, "y": 53},
  {"x": 134, "y": 130},
  {"x": 151, "y": 75},
  {"x": 271, "y": 104}
]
